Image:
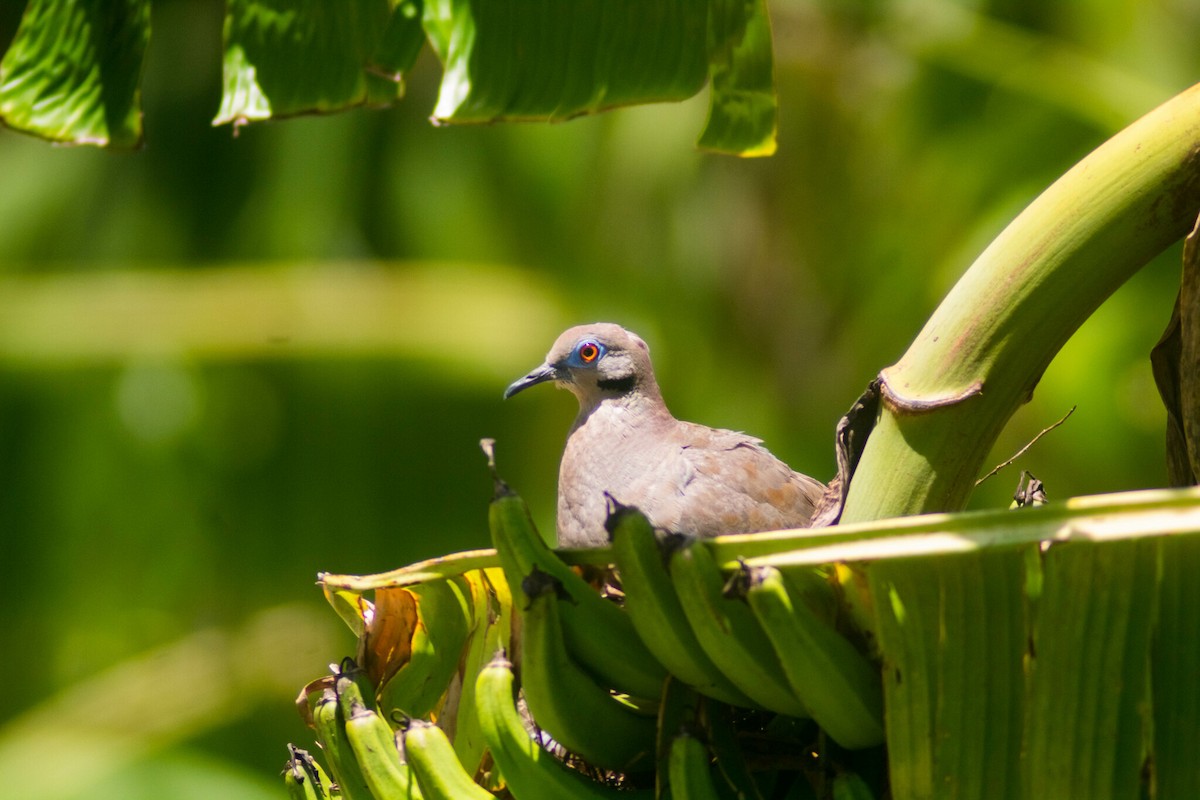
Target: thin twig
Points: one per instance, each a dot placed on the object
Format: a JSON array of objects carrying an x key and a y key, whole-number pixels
[{"x": 1021, "y": 452}]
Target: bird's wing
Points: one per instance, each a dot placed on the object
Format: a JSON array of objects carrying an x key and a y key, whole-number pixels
[{"x": 736, "y": 485}]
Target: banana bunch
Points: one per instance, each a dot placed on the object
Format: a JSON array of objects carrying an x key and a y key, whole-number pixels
[
  {"x": 758, "y": 639},
  {"x": 655, "y": 694},
  {"x": 367, "y": 758}
]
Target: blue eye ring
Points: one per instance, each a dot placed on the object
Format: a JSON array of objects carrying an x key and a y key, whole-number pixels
[{"x": 586, "y": 353}]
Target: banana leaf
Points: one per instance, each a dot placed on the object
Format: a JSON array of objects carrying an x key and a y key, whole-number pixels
[{"x": 73, "y": 72}]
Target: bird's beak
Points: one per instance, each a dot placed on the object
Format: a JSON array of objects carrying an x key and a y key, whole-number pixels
[{"x": 545, "y": 372}]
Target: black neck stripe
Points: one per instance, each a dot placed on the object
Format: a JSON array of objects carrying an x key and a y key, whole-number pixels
[{"x": 620, "y": 385}]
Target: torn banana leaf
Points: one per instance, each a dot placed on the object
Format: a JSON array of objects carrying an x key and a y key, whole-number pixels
[
  {"x": 386, "y": 644},
  {"x": 742, "y": 107},
  {"x": 437, "y": 643},
  {"x": 507, "y": 60},
  {"x": 546, "y": 61},
  {"x": 305, "y": 57},
  {"x": 72, "y": 72}
]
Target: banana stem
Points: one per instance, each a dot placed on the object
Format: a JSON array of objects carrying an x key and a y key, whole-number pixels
[
  {"x": 434, "y": 569},
  {"x": 448, "y": 566},
  {"x": 988, "y": 343}
]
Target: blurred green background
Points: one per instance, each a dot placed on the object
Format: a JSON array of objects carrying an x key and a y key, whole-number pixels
[{"x": 227, "y": 363}]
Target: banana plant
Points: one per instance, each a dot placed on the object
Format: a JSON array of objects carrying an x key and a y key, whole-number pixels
[
  {"x": 1041, "y": 652},
  {"x": 1036, "y": 652}
]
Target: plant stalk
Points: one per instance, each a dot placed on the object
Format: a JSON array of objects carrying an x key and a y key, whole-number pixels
[{"x": 986, "y": 346}]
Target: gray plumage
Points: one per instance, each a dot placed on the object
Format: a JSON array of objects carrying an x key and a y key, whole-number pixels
[{"x": 687, "y": 478}]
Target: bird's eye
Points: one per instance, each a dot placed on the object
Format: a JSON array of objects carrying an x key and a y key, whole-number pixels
[{"x": 588, "y": 352}]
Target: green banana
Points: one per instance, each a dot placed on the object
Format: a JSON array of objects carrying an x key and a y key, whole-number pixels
[
  {"x": 303, "y": 776},
  {"x": 729, "y": 632},
  {"x": 439, "y": 773},
  {"x": 567, "y": 702},
  {"x": 599, "y": 633},
  {"x": 353, "y": 685},
  {"x": 529, "y": 772},
  {"x": 838, "y": 685},
  {"x": 690, "y": 770},
  {"x": 373, "y": 743},
  {"x": 443, "y": 624},
  {"x": 681, "y": 706},
  {"x": 655, "y": 610},
  {"x": 331, "y": 733}
]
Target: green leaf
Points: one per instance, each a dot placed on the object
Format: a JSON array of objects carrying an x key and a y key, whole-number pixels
[
  {"x": 1175, "y": 655},
  {"x": 742, "y": 104},
  {"x": 952, "y": 632},
  {"x": 549, "y": 61},
  {"x": 351, "y": 606},
  {"x": 400, "y": 42},
  {"x": 1087, "y": 732},
  {"x": 301, "y": 57},
  {"x": 72, "y": 72}
]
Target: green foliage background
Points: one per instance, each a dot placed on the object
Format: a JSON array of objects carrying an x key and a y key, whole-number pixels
[{"x": 177, "y": 490}]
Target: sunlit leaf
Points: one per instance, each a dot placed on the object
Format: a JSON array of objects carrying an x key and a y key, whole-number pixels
[
  {"x": 1096, "y": 518},
  {"x": 1087, "y": 726},
  {"x": 521, "y": 60},
  {"x": 952, "y": 631},
  {"x": 302, "y": 57},
  {"x": 351, "y": 606},
  {"x": 72, "y": 72},
  {"x": 742, "y": 104},
  {"x": 432, "y": 569}
]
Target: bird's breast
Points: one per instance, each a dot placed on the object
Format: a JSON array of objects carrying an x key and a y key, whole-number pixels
[{"x": 634, "y": 468}]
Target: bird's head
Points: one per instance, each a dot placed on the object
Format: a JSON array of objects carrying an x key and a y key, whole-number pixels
[{"x": 594, "y": 362}]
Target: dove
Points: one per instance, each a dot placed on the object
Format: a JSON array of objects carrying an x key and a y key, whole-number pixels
[{"x": 687, "y": 478}]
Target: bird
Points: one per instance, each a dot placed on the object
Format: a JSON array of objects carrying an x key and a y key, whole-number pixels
[{"x": 625, "y": 444}]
